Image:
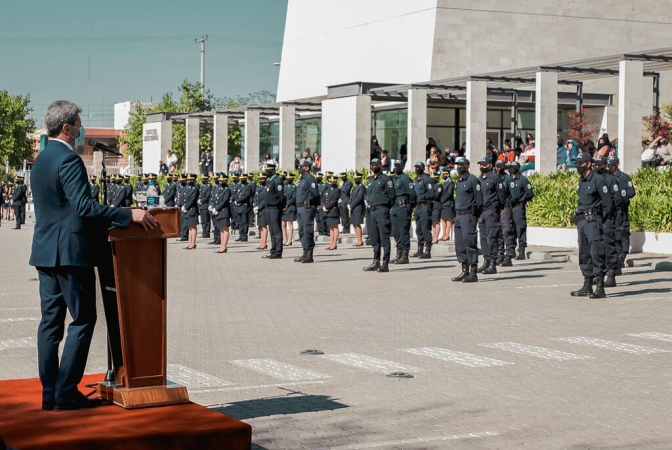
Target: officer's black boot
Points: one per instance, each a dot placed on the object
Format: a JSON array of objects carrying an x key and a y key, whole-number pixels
[
  {"x": 521, "y": 253},
  {"x": 599, "y": 290},
  {"x": 586, "y": 289},
  {"x": 373, "y": 267},
  {"x": 397, "y": 256},
  {"x": 621, "y": 261},
  {"x": 384, "y": 266},
  {"x": 427, "y": 253},
  {"x": 403, "y": 258},
  {"x": 302, "y": 257},
  {"x": 472, "y": 277},
  {"x": 492, "y": 267},
  {"x": 611, "y": 278},
  {"x": 418, "y": 253},
  {"x": 507, "y": 262},
  {"x": 500, "y": 260},
  {"x": 308, "y": 258},
  {"x": 486, "y": 263},
  {"x": 464, "y": 273},
  {"x": 618, "y": 271}
]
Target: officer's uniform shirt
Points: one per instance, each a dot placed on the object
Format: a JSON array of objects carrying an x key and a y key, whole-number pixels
[
  {"x": 520, "y": 189},
  {"x": 357, "y": 196},
  {"x": 625, "y": 185},
  {"x": 506, "y": 179},
  {"x": 244, "y": 193},
  {"x": 275, "y": 191},
  {"x": 346, "y": 189},
  {"x": 617, "y": 199},
  {"x": 468, "y": 193},
  {"x": 169, "y": 193},
  {"x": 119, "y": 197},
  {"x": 221, "y": 201},
  {"x": 448, "y": 193},
  {"x": 330, "y": 198},
  {"x": 320, "y": 189},
  {"x": 307, "y": 191},
  {"x": 128, "y": 194},
  {"x": 204, "y": 195},
  {"x": 380, "y": 191},
  {"x": 179, "y": 198},
  {"x": 425, "y": 190},
  {"x": 404, "y": 189},
  {"x": 492, "y": 190},
  {"x": 95, "y": 191},
  {"x": 594, "y": 195},
  {"x": 214, "y": 192},
  {"x": 290, "y": 196}
]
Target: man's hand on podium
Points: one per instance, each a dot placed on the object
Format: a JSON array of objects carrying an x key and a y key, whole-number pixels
[{"x": 143, "y": 218}]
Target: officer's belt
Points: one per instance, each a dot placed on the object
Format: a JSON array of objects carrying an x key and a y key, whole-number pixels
[
  {"x": 305, "y": 204},
  {"x": 464, "y": 212},
  {"x": 376, "y": 207},
  {"x": 402, "y": 202},
  {"x": 492, "y": 207}
]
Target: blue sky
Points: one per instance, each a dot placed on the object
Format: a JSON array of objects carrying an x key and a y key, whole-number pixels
[{"x": 97, "y": 53}]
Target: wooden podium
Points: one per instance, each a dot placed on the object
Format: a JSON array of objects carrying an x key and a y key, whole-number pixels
[{"x": 139, "y": 258}]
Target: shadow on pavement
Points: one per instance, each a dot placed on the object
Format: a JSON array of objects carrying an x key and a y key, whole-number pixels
[
  {"x": 640, "y": 292},
  {"x": 635, "y": 283},
  {"x": 293, "y": 404},
  {"x": 503, "y": 270}
]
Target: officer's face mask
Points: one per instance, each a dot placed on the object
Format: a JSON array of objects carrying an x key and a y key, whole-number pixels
[
  {"x": 485, "y": 169},
  {"x": 601, "y": 170},
  {"x": 375, "y": 169},
  {"x": 358, "y": 181},
  {"x": 398, "y": 170},
  {"x": 419, "y": 171},
  {"x": 461, "y": 170},
  {"x": 513, "y": 170},
  {"x": 582, "y": 169},
  {"x": 445, "y": 176}
]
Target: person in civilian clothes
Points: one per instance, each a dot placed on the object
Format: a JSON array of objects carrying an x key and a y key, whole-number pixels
[
  {"x": 63, "y": 254},
  {"x": 17, "y": 200},
  {"x": 190, "y": 209},
  {"x": 289, "y": 213},
  {"x": 221, "y": 211},
  {"x": 447, "y": 199},
  {"x": 356, "y": 209},
  {"x": 468, "y": 204}
]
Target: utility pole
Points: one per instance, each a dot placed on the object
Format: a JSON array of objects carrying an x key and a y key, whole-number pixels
[{"x": 202, "y": 42}]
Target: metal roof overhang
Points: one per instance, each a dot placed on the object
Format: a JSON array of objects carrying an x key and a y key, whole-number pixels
[{"x": 569, "y": 73}]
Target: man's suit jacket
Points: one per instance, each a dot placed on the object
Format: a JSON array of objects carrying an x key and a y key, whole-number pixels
[
  {"x": 17, "y": 195},
  {"x": 67, "y": 218}
]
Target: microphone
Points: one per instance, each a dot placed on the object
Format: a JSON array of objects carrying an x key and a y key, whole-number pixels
[{"x": 102, "y": 147}]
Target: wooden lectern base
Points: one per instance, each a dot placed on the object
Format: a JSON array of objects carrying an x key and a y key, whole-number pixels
[{"x": 172, "y": 394}]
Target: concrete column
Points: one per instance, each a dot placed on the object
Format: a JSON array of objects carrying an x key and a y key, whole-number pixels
[
  {"x": 251, "y": 159},
  {"x": 346, "y": 133},
  {"x": 192, "y": 153},
  {"x": 157, "y": 139},
  {"x": 220, "y": 150},
  {"x": 546, "y": 122},
  {"x": 630, "y": 128},
  {"x": 417, "y": 126},
  {"x": 477, "y": 119},
  {"x": 287, "y": 137}
]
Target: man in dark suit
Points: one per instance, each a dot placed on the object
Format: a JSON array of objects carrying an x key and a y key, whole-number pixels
[
  {"x": 66, "y": 219},
  {"x": 18, "y": 201}
]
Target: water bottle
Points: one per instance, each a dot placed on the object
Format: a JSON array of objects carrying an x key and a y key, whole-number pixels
[{"x": 152, "y": 195}]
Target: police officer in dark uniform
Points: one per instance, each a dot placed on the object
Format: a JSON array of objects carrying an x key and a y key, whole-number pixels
[
  {"x": 220, "y": 202},
  {"x": 379, "y": 198},
  {"x": 119, "y": 193},
  {"x": 179, "y": 202},
  {"x": 220, "y": 182},
  {"x": 610, "y": 252},
  {"x": 346, "y": 189},
  {"x": 321, "y": 217},
  {"x": 622, "y": 222},
  {"x": 521, "y": 193},
  {"x": 356, "y": 207},
  {"x": 244, "y": 195},
  {"x": 307, "y": 199},
  {"x": 259, "y": 209},
  {"x": 169, "y": 191},
  {"x": 234, "y": 185},
  {"x": 493, "y": 192},
  {"x": 507, "y": 240},
  {"x": 425, "y": 193},
  {"x": 468, "y": 204},
  {"x": 18, "y": 200},
  {"x": 405, "y": 200},
  {"x": 203, "y": 202},
  {"x": 128, "y": 191},
  {"x": 275, "y": 203},
  {"x": 594, "y": 205},
  {"x": 95, "y": 188},
  {"x": 330, "y": 199},
  {"x": 289, "y": 212},
  {"x": 190, "y": 209},
  {"x": 152, "y": 178},
  {"x": 447, "y": 199}
]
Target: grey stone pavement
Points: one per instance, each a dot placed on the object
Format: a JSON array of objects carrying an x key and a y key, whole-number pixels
[{"x": 510, "y": 362}]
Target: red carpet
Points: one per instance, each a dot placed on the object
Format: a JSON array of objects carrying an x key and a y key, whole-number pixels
[{"x": 24, "y": 425}]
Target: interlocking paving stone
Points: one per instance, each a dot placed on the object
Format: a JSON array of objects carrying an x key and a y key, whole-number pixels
[
  {"x": 279, "y": 370},
  {"x": 369, "y": 363},
  {"x": 193, "y": 379}
]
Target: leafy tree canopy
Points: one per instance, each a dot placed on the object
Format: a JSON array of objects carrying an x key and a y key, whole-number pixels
[{"x": 15, "y": 125}]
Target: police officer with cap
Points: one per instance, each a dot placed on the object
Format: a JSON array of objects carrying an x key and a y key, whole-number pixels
[
  {"x": 594, "y": 205},
  {"x": 95, "y": 189},
  {"x": 275, "y": 203},
  {"x": 346, "y": 189},
  {"x": 425, "y": 194},
  {"x": 468, "y": 204},
  {"x": 307, "y": 199},
  {"x": 493, "y": 192},
  {"x": 521, "y": 193},
  {"x": 128, "y": 191},
  {"x": 169, "y": 191},
  {"x": 622, "y": 222},
  {"x": 405, "y": 200},
  {"x": 610, "y": 252},
  {"x": 203, "y": 202},
  {"x": 243, "y": 198},
  {"x": 379, "y": 198},
  {"x": 215, "y": 195}
]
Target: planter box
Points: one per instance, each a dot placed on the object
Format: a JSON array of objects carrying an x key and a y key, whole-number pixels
[{"x": 640, "y": 241}]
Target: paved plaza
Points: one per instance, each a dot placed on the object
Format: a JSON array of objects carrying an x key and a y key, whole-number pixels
[{"x": 509, "y": 362}]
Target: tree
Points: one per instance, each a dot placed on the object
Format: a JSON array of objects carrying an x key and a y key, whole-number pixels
[
  {"x": 15, "y": 125},
  {"x": 656, "y": 125},
  {"x": 577, "y": 130}
]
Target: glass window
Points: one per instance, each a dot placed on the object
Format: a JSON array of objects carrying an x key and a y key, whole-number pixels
[
  {"x": 526, "y": 120},
  {"x": 441, "y": 117},
  {"x": 463, "y": 117},
  {"x": 308, "y": 136},
  {"x": 444, "y": 136},
  {"x": 494, "y": 118}
]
